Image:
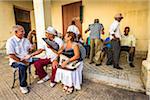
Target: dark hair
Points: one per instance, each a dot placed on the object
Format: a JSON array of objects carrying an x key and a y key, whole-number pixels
[
  {"x": 72, "y": 35},
  {"x": 127, "y": 27},
  {"x": 96, "y": 20},
  {"x": 73, "y": 22}
]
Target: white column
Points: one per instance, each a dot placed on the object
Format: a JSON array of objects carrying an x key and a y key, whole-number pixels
[
  {"x": 145, "y": 75},
  {"x": 39, "y": 21},
  {"x": 47, "y": 10},
  {"x": 148, "y": 55}
]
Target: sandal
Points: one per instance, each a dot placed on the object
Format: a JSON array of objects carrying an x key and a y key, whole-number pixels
[
  {"x": 69, "y": 90},
  {"x": 65, "y": 88}
]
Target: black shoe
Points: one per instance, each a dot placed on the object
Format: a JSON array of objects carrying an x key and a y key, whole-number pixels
[
  {"x": 131, "y": 65},
  {"x": 108, "y": 64},
  {"x": 91, "y": 62},
  {"x": 118, "y": 68},
  {"x": 98, "y": 64}
]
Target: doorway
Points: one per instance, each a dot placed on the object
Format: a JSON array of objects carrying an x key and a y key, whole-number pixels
[
  {"x": 22, "y": 17},
  {"x": 72, "y": 12}
]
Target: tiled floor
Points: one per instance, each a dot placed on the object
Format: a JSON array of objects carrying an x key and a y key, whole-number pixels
[
  {"x": 128, "y": 78},
  {"x": 90, "y": 90}
]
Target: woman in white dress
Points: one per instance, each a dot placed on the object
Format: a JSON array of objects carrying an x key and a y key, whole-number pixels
[{"x": 67, "y": 77}]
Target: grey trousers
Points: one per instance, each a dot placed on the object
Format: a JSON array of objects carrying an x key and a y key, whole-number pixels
[{"x": 116, "y": 52}]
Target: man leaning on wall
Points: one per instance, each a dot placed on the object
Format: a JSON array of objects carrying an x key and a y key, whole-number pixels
[{"x": 128, "y": 42}]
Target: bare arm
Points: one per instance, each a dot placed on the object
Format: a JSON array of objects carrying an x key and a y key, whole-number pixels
[
  {"x": 87, "y": 30},
  {"x": 13, "y": 56},
  {"x": 75, "y": 57},
  {"x": 61, "y": 50},
  {"x": 37, "y": 52},
  {"x": 33, "y": 54},
  {"x": 76, "y": 54}
]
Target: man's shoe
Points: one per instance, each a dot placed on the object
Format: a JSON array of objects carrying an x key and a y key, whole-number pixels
[
  {"x": 24, "y": 90},
  {"x": 91, "y": 62},
  {"x": 98, "y": 64},
  {"x": 131, "y": 65},
  {"x": 46, "y": 78},
  {"x": 118, "y": 68},
  {"x": 52, "y": 84},
  {"x": 108, "y": 64}
]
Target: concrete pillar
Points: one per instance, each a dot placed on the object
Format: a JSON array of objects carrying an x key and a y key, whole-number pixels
[
  {"x": 47, "y": 12},
  {"x": 145, "y": 75},
  {"x": 39, "y": 21}
]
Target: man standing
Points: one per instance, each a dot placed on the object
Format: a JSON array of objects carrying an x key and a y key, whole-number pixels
[
  {"x": 115, "y": 36},
  {"x": 50, "y": 57},
  {"x": 17, "y": 47},
  {"x": 73, "y": 28},
  {"x": 128, "y": 44},
  {"x": 95, "y": 41}
]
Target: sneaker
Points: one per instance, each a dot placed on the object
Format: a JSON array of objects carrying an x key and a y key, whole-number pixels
[
  {"x": 91, "y": 62},
  {"x": 24, "y": 90},
  {"x": 52, "y": 84},
  {"x": 46, "y": 78}
]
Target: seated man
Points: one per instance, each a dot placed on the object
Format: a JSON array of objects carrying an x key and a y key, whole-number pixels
[
  {"x": 51, "y": 57},
  {"x": 128, "y": 44},
  {"x": 17, "y": 47},
  {"x": 107, "y": 51},
  {"x": 87, "y": 47}
]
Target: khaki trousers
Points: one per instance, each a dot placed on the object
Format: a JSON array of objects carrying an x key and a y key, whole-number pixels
[{"x": 95, "y": 45}]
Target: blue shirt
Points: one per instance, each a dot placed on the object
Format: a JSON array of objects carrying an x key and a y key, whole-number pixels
[
  {"x": 108, "y": 45},
  {"x": 95, "y": 30}
]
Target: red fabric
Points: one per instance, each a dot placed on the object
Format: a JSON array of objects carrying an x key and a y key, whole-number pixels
[
  {"x": 39, "y": 66},
  {"x": 53, "y": 74}
]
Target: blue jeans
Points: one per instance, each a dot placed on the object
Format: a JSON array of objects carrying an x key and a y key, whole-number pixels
[{"x": 22, "y": 73}]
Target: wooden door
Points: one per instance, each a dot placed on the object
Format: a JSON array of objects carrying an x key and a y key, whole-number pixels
[
  {"x": 22, "y": 17},
  {"x": 71, "y": 12}
]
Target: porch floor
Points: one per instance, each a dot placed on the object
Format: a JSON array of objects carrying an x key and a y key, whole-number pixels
[{"x": 128, "y": 78}]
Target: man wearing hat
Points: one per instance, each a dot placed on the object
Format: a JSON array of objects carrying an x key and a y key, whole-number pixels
[
  {"x": 50, "y": 57},
  {"x": 115, "y": 36}
]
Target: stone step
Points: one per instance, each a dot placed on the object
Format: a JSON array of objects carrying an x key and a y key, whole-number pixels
[{"x": 128, "y": 78}]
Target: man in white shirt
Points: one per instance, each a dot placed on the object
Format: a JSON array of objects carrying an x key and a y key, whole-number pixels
[
  {"x": 50, "y": 57},
  {"x": 17, "y": 47},
  {"x": 128, "y": 44},
  {"x": 115, "y": 36},
  {"x": 73, "y": 28}
]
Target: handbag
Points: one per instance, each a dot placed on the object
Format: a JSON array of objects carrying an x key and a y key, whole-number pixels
[{"x": 71, "y": 65}]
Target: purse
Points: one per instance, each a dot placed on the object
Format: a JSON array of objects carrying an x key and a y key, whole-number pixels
[{"x": 71, "y": 65}]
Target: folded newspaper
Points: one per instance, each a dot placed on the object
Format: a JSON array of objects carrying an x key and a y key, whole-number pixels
[{"x": 52, "y": 44}]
